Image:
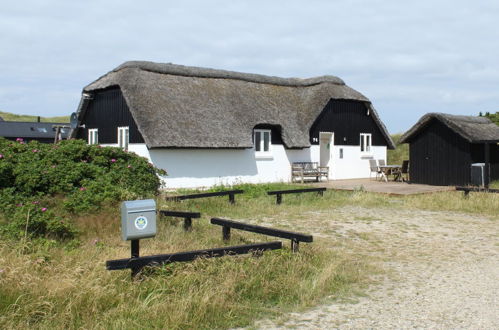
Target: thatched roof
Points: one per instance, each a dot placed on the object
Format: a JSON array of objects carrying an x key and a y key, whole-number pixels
[
  {"x": 190, "y": 107},
  {"x": 473, "y": 129}
]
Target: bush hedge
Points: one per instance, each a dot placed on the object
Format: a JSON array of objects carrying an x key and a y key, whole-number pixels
[{"x": 70, "y": 177}]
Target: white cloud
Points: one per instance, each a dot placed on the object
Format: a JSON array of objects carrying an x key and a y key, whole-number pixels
[{"x": 409, "y": 58}]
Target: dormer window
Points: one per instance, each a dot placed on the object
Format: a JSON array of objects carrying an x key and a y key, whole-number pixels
[{"x": 263, "y": 144}]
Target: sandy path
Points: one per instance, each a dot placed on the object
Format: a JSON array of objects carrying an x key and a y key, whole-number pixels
[{"x": 442, "y": 271}]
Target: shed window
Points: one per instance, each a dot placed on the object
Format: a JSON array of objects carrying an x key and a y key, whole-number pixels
[
  {"x": 262, "y": 142},
  {"x": 365, "y": 143},
  {"x": 123, "y": 137},
  {"x": 93, "y": 136}
]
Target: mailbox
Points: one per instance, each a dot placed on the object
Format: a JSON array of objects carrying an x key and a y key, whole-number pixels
[{"x": 138, "y": 219}]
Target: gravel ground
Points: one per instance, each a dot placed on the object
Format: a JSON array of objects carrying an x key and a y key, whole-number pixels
[{"x": 442, "y": 271}]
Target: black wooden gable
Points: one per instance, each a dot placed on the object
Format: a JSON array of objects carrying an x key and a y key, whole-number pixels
[
  {"x": 106, "y": 111},
  {"x": 347, "y": 119}
]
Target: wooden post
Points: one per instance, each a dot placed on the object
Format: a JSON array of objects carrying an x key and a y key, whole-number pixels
[
  {"x": 278, "y": 199},
  {"x": 187, "y": 224},
  {"x": 135, "y": 253},
  {"x": 231, "y": 198},
  {"x": 487, "y": 166},
  {"x": 294, "y": 245},
  {"x": 226, "y": 233}
]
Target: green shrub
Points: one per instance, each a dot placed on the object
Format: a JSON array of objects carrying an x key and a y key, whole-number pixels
[{"x": 86, "y": 176}]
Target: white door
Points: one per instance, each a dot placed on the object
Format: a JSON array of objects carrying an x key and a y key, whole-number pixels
[{"x": 326, "y": 141}]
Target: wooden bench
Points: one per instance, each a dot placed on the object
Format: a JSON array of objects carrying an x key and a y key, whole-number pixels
[
  {"x": 294, "y": 237},
  {"x": 188, "y": 216},
  {"x": 467, "y": 190},
  {"x": 308, "y": 170},
  {"x": 136, "y": 263},
  {"x": 230, "y": 193},
  {"x": 279, "y": 193}
]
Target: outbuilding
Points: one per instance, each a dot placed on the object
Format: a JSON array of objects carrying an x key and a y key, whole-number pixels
[
  {"x": 208, "y": 127},
  {"x": 37, "y": 131},
  {"x": 443, "y": 147}
]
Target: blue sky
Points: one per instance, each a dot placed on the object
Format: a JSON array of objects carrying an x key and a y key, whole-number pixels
[{"x": 408, "y": 58}]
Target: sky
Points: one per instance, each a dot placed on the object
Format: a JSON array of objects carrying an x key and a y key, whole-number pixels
[{"x": 408, "y": 58}]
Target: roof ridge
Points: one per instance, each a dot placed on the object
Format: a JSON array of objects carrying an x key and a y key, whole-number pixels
[{"x": 192, "y": 71}]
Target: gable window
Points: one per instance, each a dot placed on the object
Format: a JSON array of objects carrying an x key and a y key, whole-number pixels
[
  {"x": 123, "y": 137},
  {"x": 93, "y": 136},
  {"x": 365, "y": 143},
  {"x": 262, "y": 142}
]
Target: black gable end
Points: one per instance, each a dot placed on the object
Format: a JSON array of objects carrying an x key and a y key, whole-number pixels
[
  {"x": 347, "y": 119},
  {"x": 107, "y": 111}
]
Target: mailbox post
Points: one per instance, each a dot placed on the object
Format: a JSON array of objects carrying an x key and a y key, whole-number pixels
[{"x": 138, "y": 220}]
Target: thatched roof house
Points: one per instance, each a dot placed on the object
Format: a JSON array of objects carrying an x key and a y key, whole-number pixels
[
  {"x": 177, "y": 106},
  {"x": 207, "y": 126}
]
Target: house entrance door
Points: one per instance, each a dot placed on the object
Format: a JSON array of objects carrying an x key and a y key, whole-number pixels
[{"x": 326, "y": 141}]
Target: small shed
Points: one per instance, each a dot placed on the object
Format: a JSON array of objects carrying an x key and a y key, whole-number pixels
[{"x": 442, "y": 148}]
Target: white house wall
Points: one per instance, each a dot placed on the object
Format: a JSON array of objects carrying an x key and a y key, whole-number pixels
[
  {"x": 354, "y": 165},
  {"x": 189, "y": 168}
]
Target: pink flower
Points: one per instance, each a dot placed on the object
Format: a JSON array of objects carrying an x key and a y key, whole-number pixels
[
  {"x": 129, "y": 166},
  {"x": 44, "y": 209},
  {"x": 113, "y": 160},
  {"x": 1, "y": 156},
  {"x": 19, "y": 205},
  {"x": 19, "y": 140},
  {"x": 35, "y": 150},
  {"x": 83, "y": 188},
  {"x": 36, "y": 202}
]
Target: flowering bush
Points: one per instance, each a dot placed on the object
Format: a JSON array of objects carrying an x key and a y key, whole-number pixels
[{"x": 86, "y": 176}]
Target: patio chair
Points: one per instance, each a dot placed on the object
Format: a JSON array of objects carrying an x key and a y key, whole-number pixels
[
  {"x": 404, "y": 171},
  {"x": 373, "y": 165},
  {"x": 381, "y": 162}
]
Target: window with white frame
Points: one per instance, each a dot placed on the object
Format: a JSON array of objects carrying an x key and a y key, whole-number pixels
[
  {"x": 262, "y": 142},
  {"x": 123, "y": 137},
  {"x": 365, "y": 143},
  {"x": 93, "y": 136}
]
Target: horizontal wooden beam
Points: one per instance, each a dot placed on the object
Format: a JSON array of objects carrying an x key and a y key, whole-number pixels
[
  {"x": 203, "y": 195},
  {"x": 263, "y": 230},
  {"x": 476, "y": 189},
  {"x": 180, "y": 214},
  {"x": 295, "y": 191},
  {"x": 140, "y": 262}
]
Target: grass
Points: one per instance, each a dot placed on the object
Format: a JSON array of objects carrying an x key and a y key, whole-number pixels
[
  {"x": 44, "y": 284},
  {"x": 7, "y": 116},
  {"x": 400, "y": 153}
]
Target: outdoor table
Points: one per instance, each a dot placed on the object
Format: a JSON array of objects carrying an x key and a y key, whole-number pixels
[{"x": 391, "y": 169}]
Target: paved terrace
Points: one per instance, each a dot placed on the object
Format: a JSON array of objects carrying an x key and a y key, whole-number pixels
[{"x": 390, "y": 187}]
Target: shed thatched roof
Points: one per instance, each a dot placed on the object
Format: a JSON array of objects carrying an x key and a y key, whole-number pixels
[
  {"x": 190, "y": 107},
  {"x": 473, "y": 129}
]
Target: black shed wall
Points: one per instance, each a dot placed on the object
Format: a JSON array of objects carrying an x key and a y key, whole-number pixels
[
  {"x": 107, "y": 111},
  {"x": 347, "y": 119},
  {"x": 439, "y": 156}
]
